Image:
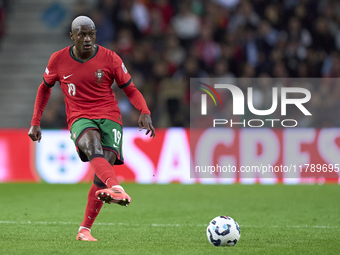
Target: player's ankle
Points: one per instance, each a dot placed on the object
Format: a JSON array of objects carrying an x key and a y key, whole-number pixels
[{"x": 81, "y": 227}]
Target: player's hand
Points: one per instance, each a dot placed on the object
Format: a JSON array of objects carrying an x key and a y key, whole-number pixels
[
  {"x": 35, "y": 133},
  {"x": 145, "y": 122}
]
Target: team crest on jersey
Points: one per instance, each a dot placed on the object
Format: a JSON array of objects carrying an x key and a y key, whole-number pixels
[{"x": 99, "y": 74}]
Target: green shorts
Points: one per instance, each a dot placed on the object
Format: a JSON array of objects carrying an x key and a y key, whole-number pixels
[{"x": 111, "y": 136}]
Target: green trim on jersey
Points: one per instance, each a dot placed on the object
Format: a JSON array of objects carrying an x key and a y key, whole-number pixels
[
  {"x": 126, "y": 84},
  {"x": 48, "y": 85},
  {"x": 83, "y": 61}
]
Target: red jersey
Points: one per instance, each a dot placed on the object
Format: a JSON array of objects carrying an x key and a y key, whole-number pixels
[{"x": 87, "y": 84}]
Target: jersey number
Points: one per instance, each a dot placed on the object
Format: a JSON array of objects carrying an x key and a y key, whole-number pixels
[
  {"x": 118, "y": 136},
  {"x": 71, "y": 89}
]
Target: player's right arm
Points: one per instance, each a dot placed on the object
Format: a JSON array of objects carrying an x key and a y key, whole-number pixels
[{"x": 43, "y": 95}]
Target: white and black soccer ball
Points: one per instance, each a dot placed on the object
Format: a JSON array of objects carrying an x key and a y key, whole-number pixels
[{"x": 223, "y": 231}]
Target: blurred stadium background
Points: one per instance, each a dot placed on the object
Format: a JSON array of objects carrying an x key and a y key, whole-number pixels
[{"x": 164, "y": 43}]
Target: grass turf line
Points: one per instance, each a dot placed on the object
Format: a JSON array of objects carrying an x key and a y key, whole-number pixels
[{"x": 171, "y": 219}]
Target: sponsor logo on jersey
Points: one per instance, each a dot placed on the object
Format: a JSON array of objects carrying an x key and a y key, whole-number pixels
[
  {"x": 47, "y": 71},
  {"x": 99, "y": 74},
  {"x": 124, "y": 68}
]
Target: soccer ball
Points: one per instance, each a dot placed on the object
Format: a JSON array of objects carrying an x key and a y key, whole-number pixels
[{"x": 223, "y": 231}]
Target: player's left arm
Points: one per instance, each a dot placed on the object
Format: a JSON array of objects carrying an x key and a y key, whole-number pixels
[
  {"x": 124, "y": 82},
  {"x": 138, "y": 101}
]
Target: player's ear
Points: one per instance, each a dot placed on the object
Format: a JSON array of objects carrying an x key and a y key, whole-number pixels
[{"x": 71, "y": 35}]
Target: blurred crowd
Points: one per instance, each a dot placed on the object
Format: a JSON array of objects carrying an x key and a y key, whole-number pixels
[
  {"x": 3, "y": 12},
  {"x": 165, "y": 43}
]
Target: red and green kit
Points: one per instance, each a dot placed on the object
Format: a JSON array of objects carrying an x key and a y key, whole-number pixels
[
  {"x": 87, "y": 89},
  {"x": 87, "y": 86}
]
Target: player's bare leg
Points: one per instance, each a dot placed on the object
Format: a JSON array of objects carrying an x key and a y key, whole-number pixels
[{"x": 90, "y": 145}]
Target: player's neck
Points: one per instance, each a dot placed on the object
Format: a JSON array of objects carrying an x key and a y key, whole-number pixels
[{"x": 83, "y": 55}]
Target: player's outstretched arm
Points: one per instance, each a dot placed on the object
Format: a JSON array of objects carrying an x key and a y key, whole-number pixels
[
  {"x": 145, "y": 122},
  {"x": 35, "y": 133}
]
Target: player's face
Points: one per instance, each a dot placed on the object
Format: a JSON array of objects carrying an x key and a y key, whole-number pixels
[{"x": 84, "y": 38}]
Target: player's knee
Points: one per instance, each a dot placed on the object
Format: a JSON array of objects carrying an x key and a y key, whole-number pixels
[
  {"x": 90, "y": 143},
  {"x": 92, "y": 149}
]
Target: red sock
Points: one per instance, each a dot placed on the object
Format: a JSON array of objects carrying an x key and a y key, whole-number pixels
[
  {"x": 103, "y": 170},
  {"x": 92, "y": 208}
]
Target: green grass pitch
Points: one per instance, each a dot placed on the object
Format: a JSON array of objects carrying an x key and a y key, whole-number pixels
[{"x": 171, "y": 219}]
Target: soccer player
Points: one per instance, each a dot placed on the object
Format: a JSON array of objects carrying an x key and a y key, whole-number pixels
[{"x": 86, "y": 72}]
